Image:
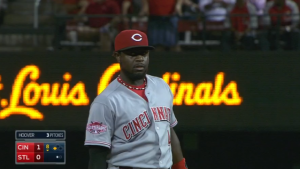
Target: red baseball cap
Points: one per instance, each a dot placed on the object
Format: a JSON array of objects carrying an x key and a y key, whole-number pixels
[{"x": 129, "y": 39}]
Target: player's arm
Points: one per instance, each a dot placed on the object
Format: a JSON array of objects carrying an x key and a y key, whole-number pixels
[
  {"x": 98, "y": 156},
  {"x": 178, "y": 159},
  {"x": 176, "y": 148},
  {"x": 99, "y": 132}
]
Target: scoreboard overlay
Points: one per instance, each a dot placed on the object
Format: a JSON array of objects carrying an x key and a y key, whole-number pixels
[{"x": 40, "y": 147}]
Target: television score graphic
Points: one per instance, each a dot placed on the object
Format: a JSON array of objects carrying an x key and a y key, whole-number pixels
[
  {"x": 41, "y": 147},
  {"x": 40, "y": 134},
  {"x": 40, "y": 152}
]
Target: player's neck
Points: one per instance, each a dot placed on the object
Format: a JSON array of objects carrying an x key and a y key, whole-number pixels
[{"x": 130, "y": 81}]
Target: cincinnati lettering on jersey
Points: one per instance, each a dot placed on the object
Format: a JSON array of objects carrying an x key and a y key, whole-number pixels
[
  {"x": 161, "y": 113},
  {"x": 136, "y": 125}
]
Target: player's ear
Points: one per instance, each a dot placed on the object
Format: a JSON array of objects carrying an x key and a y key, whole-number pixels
[{"x": 117, "y": 56}]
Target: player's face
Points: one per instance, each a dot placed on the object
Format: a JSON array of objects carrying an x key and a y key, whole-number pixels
[{"x": 134, "y": 63}]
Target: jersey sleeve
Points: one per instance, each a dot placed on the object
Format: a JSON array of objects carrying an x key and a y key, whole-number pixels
[
  {"x": 173, "y": 121},
  {"x": 100, "y": 126}
]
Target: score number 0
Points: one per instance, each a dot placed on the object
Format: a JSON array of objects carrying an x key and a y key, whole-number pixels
[{"x": 38, "y": 157}]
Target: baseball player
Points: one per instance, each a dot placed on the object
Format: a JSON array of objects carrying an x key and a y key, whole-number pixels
[{"x": 130, "y": 124}]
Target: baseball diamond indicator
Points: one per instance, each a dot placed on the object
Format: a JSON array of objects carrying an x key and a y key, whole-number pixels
[{"x": 41, "y": 134}]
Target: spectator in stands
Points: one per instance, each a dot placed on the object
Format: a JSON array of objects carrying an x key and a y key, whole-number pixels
[
  {"x": 243, "y": 21},
  {"x": 82, "y": 5},
  {"x": 162, "y": 23},
  {"x": 126, "y": 7},
  {"x": 106, "y": 26},
  {"x": 215, "y": 12},
  {"x": 281, "y": 24},
  {"x": 260, "y": 5},
  {"x": 298, "y": 2},
  {"x": 190, "y": 10},
  {"x": 3, "y": 6},
  {"x": 71, "y": 6},
  {"x": 191, "y": 4}
]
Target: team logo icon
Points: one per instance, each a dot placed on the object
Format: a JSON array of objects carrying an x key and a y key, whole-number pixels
[
  {"x": 136, "y": 37},
  {"x": 96, "y": 127}
]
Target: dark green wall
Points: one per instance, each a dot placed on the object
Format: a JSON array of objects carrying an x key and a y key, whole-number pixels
[{"x": 267, "y": 84}]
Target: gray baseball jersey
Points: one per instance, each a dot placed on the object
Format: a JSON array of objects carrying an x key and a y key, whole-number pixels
[{"x": 136, "y": 131}]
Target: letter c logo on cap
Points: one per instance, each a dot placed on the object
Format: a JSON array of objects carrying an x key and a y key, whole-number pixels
[{"x": 133, "y": 37}]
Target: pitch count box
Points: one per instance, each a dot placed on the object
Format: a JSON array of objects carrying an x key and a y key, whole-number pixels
[{"x": 41, "y": 147}]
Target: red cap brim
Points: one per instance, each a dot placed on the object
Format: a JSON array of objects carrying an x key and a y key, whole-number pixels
[{"x": 131, "y": 47}]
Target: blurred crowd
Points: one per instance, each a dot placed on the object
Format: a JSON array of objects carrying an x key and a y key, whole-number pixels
[
  {"x": 247, "y": 24},
  {"x": 3, "y": 7}
]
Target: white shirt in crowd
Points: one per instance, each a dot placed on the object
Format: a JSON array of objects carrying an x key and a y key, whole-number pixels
[
  {"x": 260, "y": 5},
  {"x": 217, "y": 13}
]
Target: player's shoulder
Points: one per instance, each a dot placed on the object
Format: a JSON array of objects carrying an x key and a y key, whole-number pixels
[
  {"x": 155, "y": 79},
  {"x": 105, "y": 96}
]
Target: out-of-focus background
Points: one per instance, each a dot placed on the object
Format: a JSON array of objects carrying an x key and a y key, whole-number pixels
[{"x": 233, "y": 66}]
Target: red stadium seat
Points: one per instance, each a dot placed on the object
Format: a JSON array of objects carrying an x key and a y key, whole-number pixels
[
  {"x": 184, "y": 25},
  {"x": 212, "y": 26}
]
